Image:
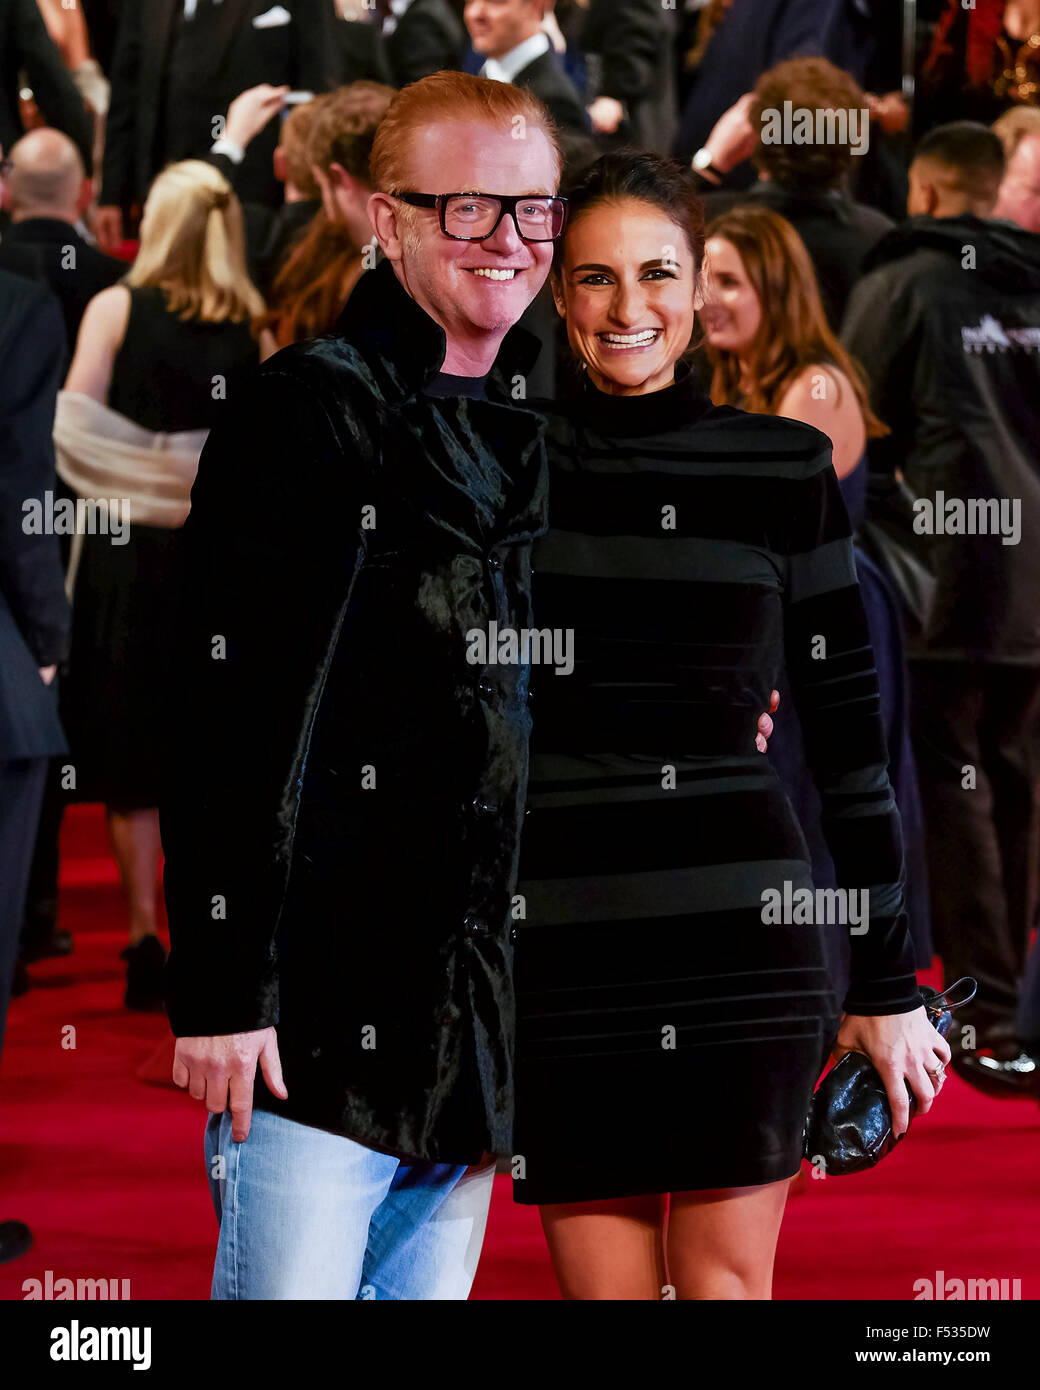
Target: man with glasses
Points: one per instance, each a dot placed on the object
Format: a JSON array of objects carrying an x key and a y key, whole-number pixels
[{"x": 342, "y": 834}]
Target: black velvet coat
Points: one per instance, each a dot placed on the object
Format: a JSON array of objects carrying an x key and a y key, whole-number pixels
[{"x": 342, "y": 836}]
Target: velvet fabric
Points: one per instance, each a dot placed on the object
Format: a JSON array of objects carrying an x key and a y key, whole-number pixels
[{"x": 342, "y": 835}]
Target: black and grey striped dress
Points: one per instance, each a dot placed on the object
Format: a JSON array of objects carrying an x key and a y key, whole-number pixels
[{"x": 668, "y": 1037}]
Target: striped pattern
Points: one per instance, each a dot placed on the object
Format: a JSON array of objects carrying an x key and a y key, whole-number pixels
[{"x": 667, "y": 1038}]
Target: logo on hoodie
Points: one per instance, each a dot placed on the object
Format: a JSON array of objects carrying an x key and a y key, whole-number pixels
[{"x": 992, "y": 336}]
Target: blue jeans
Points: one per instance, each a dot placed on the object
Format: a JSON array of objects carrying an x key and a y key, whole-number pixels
[{"x": 308, "y": 1214}]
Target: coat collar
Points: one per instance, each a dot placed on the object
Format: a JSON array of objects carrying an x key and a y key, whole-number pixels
[
  {"x": 399, "y": 339},
  {"x": 832, "y": 202},
  {"x": 43, "y": 229}
]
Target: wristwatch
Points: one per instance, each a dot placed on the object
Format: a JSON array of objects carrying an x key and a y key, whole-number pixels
[{"x": 701, "y": 164}]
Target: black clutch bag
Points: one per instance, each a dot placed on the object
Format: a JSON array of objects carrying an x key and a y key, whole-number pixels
[
  {"x": 886, "y": 533},
  {"x": 849, "y": 1125}
]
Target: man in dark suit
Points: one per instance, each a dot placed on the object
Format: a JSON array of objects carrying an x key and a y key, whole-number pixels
[
  {"x": 634, "y": 41},
  {"x": 26, "y": 46},
  {"x": 179, "y": 63},
  {"x": 508, "y": 35},
  {"x": 48, "y": 193},
  {"x": 34, "y": 615}
]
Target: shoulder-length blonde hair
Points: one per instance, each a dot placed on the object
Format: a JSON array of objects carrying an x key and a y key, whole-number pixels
[
  {"x": 793, "y": 333},
  {"x": 193, "y": 246}
]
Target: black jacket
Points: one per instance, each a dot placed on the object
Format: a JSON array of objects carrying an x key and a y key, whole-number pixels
[
  {"x": 634, "y": 42},
  {"x": 303, "y": 53},
  {"x": 74, "y": 270},
  {"x": 837, "y": 232},
  {"x": 947, "y": 325},
  {"x": 26, "y": 46},
  {"x": 362, "y": 53},
  {"x": 546, "y": 78},
  {"x": 34, "y": 615},
  {"x": 427, "y": 38},
  {"x": 371, "y": 923}
]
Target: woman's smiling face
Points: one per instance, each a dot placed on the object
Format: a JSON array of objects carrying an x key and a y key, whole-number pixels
[{"x": 628, "y": 289}]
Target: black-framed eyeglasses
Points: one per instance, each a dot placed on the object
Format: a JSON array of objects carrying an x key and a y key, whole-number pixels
[{"x": 475, "y": 216}]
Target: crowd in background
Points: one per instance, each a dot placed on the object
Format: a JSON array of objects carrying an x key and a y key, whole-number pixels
[{"x": 185, "y": 190}]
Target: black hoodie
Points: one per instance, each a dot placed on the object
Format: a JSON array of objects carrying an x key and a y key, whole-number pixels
[{"x": 946, "y": 322}]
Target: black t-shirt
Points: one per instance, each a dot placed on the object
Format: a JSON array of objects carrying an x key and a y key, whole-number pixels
[{"x": 445, "y": 384}]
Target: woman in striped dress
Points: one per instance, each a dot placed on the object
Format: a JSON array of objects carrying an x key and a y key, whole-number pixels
[{"x": 673, "y": 1003}]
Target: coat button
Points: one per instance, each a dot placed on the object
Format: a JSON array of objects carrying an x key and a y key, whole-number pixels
[
  {"x": 494, "y": 562},
  {"x": 475, "y": 926},
  {"x": 513, "y": 934},
  {"x": 482, "y": 807},
  {"x": 486, "y": 689}
]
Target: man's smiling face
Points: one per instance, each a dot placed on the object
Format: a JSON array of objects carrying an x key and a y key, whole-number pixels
[{"x": 444, "y": 276}]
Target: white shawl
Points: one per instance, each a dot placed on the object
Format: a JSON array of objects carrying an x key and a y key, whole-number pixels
[{"x": 104, "y": 456}]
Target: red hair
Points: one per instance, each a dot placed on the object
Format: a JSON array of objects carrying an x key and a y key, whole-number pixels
[
  {"x": 313, "y": 285},
  {"x": 451, "y": 96}
]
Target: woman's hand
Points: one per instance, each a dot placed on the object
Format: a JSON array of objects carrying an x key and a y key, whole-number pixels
[{"x": 901, "y": 1047}]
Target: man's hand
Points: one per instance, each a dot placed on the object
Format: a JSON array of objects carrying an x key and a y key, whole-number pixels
[
  {"x": 606, "y": 114},
  {"x": 765, "y": 724},
  {"x": 733, "y": 138},
  {"x": 251, "y": 110},
  {"x": 108, "y": 227},
  {"x": 890, "y": 111},
  {"x": 901, "y": 1046},
  {"x": 210, "y": 1067}
]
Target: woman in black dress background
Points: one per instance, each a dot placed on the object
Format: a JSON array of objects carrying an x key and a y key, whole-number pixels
[
  {"x": 669, "y": 1031},
  {"x": 161, "y": 348}
]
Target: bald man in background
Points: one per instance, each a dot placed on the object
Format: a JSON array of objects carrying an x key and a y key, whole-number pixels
[{"x": 48, "y": 192}]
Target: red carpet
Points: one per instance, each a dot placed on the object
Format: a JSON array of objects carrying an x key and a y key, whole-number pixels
[{"x": 108, "y": 1171}]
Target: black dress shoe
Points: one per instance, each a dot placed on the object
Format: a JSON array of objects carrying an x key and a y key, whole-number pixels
[
  {"x": 1012, "y": 1078},
  {"x": 55, "y": 943},
  {"x": 15, "y": 1240},
  {"x": 144, "y": 975}
]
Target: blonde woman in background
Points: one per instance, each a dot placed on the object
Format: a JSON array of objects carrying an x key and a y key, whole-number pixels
[{"x": 157, "y": 355}]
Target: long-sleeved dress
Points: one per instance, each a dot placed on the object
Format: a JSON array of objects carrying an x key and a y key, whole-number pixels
[{"x": 669, "y": 1031}]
